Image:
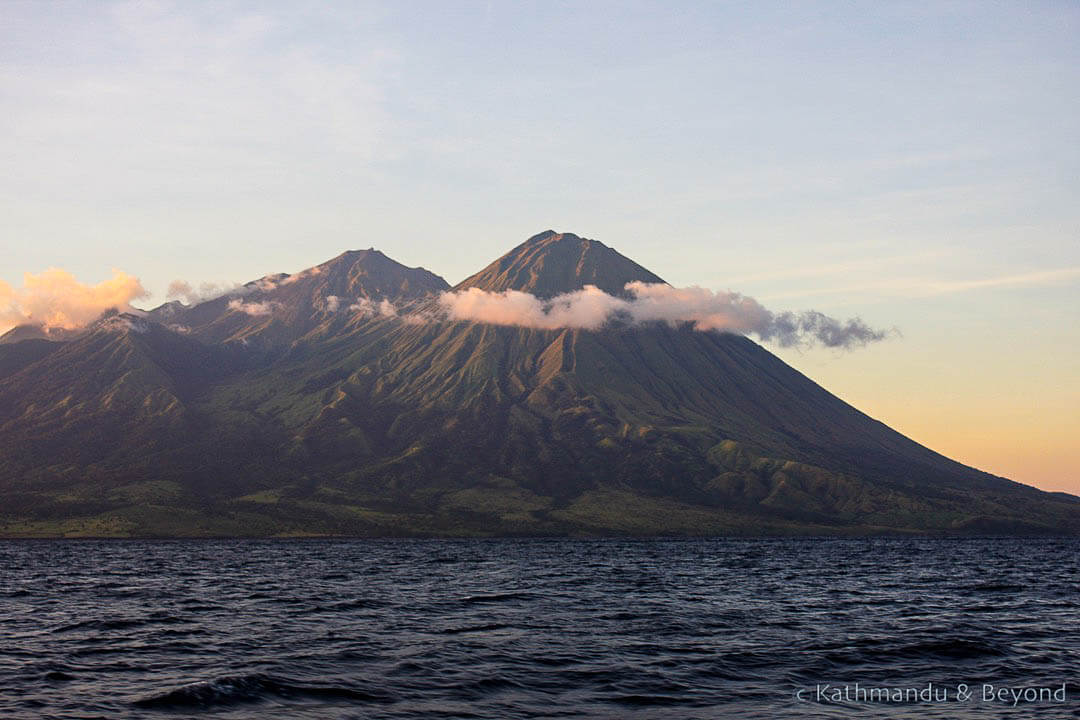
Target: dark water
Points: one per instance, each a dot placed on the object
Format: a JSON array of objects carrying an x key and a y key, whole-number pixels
[{"x": 537, "y": 628}]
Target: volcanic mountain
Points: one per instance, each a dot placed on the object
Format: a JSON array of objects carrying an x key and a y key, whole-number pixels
[
  {"x": 338, "y": 401},
  {"x": 551, "y": 263}
]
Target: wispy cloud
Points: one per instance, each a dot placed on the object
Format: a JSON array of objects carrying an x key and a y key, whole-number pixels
[
  {"x": 367, "y": 308},
  {"x": 1040, "y": 278},
  {"x": 921, "y": 287},
  {"x": 118, "y": 323},
  {"x": 860, "y": 268},
  {"x": 290, "y": 279},
  {"x": 267, "y": 307},
  {"x": 183, "y": 290},
  {"x": 153, "y": 99}
]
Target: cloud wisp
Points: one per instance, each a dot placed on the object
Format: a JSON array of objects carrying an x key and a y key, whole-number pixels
[
  {"x": 290, "y": 279},
  {"x": 369, "y": 308},
  {"x": 190, "y": 295},
  {"x": 55, "y": 299},
  {"x": 183, "y": 290},
  {"x": 591, "y": 308},
  {"x": 364, "y": 307},
  {"x": 255, "y": 309}
]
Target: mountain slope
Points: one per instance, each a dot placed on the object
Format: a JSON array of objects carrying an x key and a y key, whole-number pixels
[
  {"x": 279, "y": 309},
  {"x": 354, "y": 421},
  {"x": 552, "y": 263},
  {"x": 18, "y": 354}
]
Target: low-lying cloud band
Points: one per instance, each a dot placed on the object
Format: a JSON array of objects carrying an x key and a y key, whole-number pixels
[
  {"x": 591, "y": 308},
  {"x": 55, "y": 299}
]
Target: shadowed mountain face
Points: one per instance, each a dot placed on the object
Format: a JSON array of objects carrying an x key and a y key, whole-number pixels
[
  {"x": 36, "y": 332},
  {"x": 334, "y": 402}
]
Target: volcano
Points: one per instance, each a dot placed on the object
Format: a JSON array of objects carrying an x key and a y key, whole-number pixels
[{"x": 337, "y": 401}]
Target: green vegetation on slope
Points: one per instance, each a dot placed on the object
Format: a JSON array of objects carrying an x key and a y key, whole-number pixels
[{"x": 313, "y": 423}]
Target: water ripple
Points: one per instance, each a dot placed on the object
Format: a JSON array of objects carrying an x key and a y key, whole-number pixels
[{"x": 400, "y": 629}]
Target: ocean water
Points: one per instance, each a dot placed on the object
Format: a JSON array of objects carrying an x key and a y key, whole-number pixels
[{"x": 541, "y": 628}]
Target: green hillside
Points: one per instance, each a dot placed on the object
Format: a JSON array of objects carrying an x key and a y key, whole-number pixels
[{"x": 208, "y": 420}]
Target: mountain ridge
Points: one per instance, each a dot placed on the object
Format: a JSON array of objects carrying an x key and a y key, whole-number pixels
[{"x": 276, "y": 411}]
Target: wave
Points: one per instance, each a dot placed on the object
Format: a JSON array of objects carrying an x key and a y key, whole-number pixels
[
  {"x": 120, "y": 623},
  {"x": 471, "y": 629},
  {"x": 238, "y": 689},
  {"x": 495, "y": 598}
]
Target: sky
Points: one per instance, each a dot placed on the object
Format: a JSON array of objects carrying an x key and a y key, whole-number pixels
[{"x": 913, "y": 164}]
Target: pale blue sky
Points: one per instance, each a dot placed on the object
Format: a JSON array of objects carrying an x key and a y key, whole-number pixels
[{"x": 917, "y": 164}]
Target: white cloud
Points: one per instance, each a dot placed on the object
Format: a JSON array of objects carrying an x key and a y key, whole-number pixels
[
  {"x": 254, "y": 308},
  {"x": 591, "y": 308},
  {"x": 366, "y": 308},
  {"x": 289, "y": 280}
]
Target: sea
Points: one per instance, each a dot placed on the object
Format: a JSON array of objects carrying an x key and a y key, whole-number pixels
[{"x": 540, "y": 628}]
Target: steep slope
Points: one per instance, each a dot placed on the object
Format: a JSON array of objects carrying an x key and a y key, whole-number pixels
[
  {"x": 552, "y": 263},
  {"x": 16, "y": 355},
  {"x": 119, "y": 386},
  {"x": 547, "y": 419},
  {"x": 380, "y": 423},
  {"x": 281, "y": 309}
]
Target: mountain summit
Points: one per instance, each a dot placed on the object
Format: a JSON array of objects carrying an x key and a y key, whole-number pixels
[
  {"x": 371, "y": 274},
  {"x": 553, "y": 263},
  {"x": 338, "y": 401},
  {"x": 280, "y": 309}
]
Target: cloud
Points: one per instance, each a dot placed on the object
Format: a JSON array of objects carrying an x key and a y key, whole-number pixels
[
  {"x": 922, "y": 287},
  {"x": 366, "y": 308},
  {"x": 132, "y": 87},
  {"x": 362, "y": 306},
  {"x": 590, "y": 308},
  {"x": 290, "y": 279},
  {"x": 587, "y": 308},
  {"x": 56, "y": 299},
  {"x": 733, "y": 312},
  {"x": 423, "y": 317},
  {"x": 265, "y": 284},
  {"x": 1039, "y": 278},
  {"x": 811, "y": 326},
  {"x": 254, "y": 308},
  {"x": 182, "y": 290},
  {"x": 118, "y": 323}
]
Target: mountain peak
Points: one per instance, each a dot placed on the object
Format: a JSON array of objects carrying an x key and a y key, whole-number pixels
[
  {"x": 372, "y": 273},
  {"x": 540, "y": 237},
  {"x": 551, "y": 263},
  {"x": 351, "y": 256}
]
